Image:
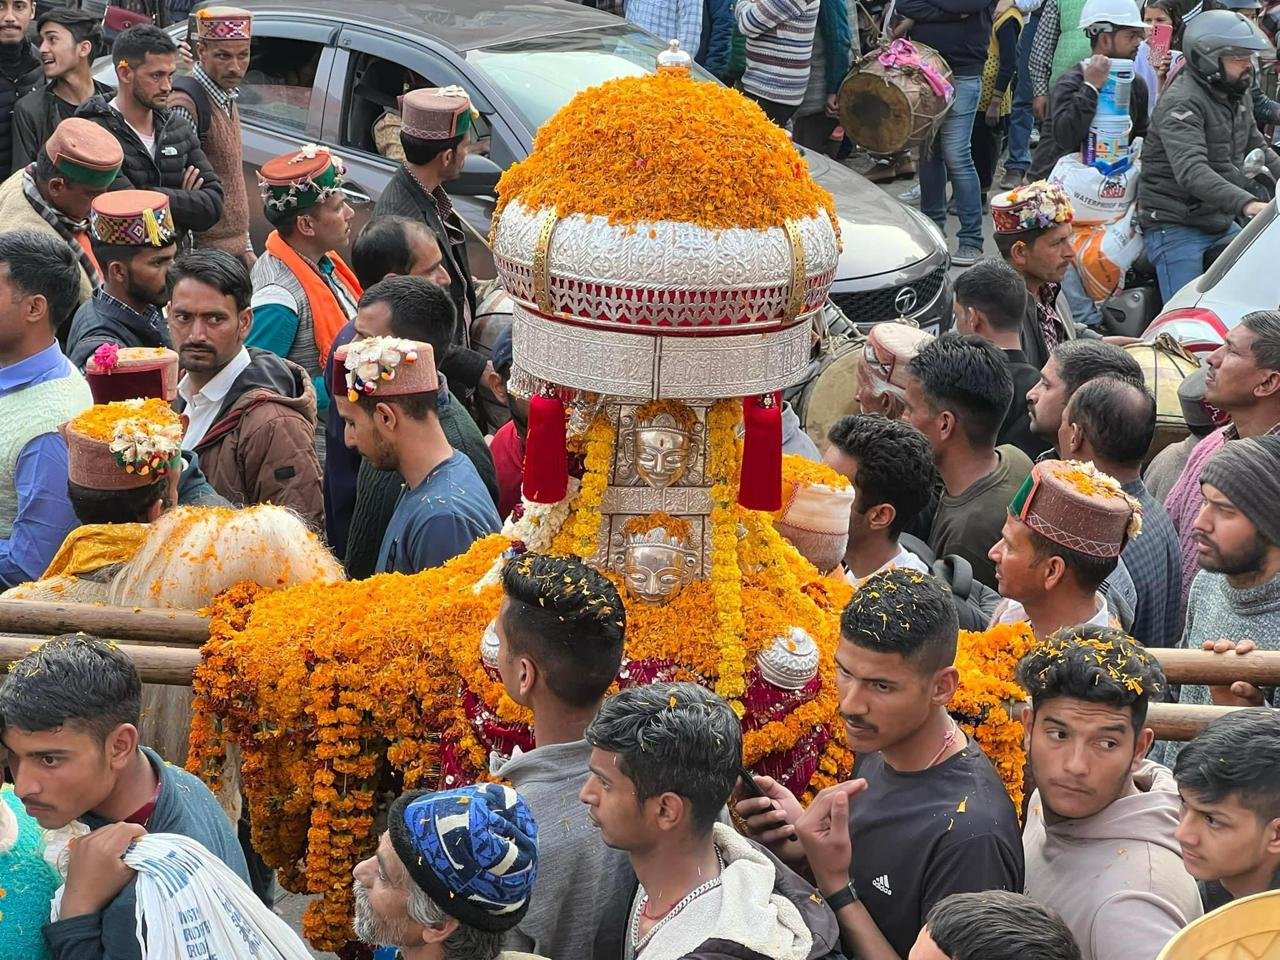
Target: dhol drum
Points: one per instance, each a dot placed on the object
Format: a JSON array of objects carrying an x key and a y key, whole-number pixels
[
  {"x": 830, "y": 391},
  {"x": 1165, "y": 364},
  {"x": 888, "y": 109}
]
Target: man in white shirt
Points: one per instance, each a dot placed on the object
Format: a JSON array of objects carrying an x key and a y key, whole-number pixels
[
  {"x": 1066, "y": 529},
  {"x": 890, "y": 465},
  {"x": 250, "y": 415}
]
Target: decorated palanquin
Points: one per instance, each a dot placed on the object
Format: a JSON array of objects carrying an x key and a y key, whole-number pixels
[{"x": 667, "y": 252}]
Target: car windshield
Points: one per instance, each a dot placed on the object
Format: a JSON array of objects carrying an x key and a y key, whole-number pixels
[{"x": 540, "y": 76}]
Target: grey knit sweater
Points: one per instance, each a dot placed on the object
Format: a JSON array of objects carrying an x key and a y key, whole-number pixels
[{"x": 1215, "y": 610}]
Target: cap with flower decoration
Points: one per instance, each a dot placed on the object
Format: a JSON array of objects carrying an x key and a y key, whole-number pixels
[
  {"x": 387, "y": 367},
  {"x": 1077, "y": 506},
  {"x": 132, "y": 218},
  {"x": 223, "y": 23},
  {"x": 123, "y": 373},
  {"x": 296, "y": 181},
  {"x": 123, "y": 445},
  {"x": 436, "y": 113},
  {"x": 1035, "y": 206}
]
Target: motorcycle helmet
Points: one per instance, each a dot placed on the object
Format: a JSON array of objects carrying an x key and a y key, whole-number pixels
[
  {"x": 1231, "y": 5},
  {"x": 1215, "y": 34}
]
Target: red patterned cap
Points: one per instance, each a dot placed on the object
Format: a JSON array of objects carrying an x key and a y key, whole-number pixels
[{"x": 1078, "y": 507}]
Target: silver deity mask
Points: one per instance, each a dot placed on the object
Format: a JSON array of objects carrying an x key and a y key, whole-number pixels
[
  {"x": 662, "y": 451},
  {"x": 656, "y": 567}
]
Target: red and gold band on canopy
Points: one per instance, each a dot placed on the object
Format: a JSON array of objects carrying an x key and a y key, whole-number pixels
[
  {"x": 132, "y": 218},
  {"x": 123, "y": 373},
  {"x": 223, "y": 23},
  {"x": 85, "y": 153}
]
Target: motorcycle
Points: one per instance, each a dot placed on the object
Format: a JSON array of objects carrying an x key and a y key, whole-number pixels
[{"x": 1129, "y": 311}]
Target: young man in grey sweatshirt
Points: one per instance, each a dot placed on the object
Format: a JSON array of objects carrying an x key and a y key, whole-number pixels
[
  {"x": 560, "y": 631},
  {"x": 1099, "y": 834},
  {"x": 70, "y": 711}
]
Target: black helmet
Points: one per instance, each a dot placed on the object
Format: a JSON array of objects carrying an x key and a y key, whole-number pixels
[{"x": 1215, "y": 34}]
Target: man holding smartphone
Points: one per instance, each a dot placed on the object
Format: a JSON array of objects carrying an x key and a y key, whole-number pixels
[{"x": 921, "y": 784}]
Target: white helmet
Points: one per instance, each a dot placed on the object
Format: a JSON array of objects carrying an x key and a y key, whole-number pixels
[{"x": 1116, "y": 13}]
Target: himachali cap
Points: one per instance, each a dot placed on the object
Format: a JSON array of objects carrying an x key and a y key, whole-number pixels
[
  {"x": 85, "y": 152},
  {"x": 1035, "y": 206},
  {"x": 889, "y": 349},
  {"x": 132, "y": 218},
  {"x": 223, "y": 23},
  {"x": 296, "y": 181},
  {"x": 1078, "y": 507},
  {"x": 124, "y": 445},
  {"x": 123, "y": 373},
  {"x": 387, "y": 367},
  {"x": 436, "y": 113}
]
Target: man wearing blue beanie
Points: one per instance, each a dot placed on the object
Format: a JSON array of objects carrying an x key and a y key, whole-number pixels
[{"x": 452, "y": 873}]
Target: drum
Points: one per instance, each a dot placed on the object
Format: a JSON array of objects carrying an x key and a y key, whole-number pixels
[
  {"x": 1165, "y": 364},
  {"x": 832, "y": 392},
  {"x": 886, "y": 110}
]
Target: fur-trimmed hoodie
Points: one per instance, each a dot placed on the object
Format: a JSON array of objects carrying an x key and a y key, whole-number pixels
[{"x": 766, "y": 912}]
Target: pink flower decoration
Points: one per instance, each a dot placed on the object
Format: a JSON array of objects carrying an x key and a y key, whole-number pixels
[{"x": 106, "y": 357}]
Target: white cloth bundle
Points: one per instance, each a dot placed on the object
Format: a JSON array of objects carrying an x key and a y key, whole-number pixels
[{"x": 191, "y": 905}]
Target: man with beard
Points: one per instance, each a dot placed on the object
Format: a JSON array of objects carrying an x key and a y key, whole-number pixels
[
  {"x": 161, "y": 151},
  {"x": 207, "y": 100},
  {"x": 451, "y": 874},
  {"x": 69, "y": 41},
  {"x": 20, "y": 69},
  {"x": 250, "y": 415},
  {"x": 922, "y": 785},
  {"x": 1033, "y": 235},
  {"x": 1243, "y": 380},
  {"x": 391, "y": 409},
  {"x": 1236, "y": 594},
  {"x": 1099, "y": 837},
  {"x": 134, "y": 241},
  {"x": 1192, "y": 190},
  {"x": 1069, "y": 367}
]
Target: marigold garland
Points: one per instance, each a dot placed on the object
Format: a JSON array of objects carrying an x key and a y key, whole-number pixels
[
  {"x": 726, "y": 577},
  {"x": 597, "y": 465},
  {"x": 677, "y": 150}
]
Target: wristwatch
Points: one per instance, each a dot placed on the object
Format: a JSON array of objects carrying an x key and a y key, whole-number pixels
[{"x": 841, "y": 898}]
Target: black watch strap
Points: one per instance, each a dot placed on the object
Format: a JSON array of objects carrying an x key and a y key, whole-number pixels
[{"x": 841, "y": 898}]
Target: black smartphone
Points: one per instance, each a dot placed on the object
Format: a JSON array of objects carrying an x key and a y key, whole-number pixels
[{"x": 749, "y": 788}]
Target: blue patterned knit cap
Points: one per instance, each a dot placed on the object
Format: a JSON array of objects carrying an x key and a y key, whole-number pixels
[{"x": 473, "y": 851}]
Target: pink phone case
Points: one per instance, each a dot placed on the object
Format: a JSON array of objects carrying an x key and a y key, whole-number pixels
[{"x": 1160, "y": 39}]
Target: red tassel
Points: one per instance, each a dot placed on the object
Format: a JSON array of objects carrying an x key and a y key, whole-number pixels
[
  {"x": 761, "y": 485},
  {"x": 546, "y": 458}
]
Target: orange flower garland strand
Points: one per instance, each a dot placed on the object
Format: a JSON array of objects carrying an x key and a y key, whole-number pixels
[
  {"x": 584, "y": 524},
  {"x": 726, "y": 577}
]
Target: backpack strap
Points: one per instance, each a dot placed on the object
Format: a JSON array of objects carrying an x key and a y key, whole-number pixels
[{"x": 194, "y": 89}]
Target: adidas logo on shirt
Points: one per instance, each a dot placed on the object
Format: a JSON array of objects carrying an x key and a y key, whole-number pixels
[{"x": 881, "y": 883}]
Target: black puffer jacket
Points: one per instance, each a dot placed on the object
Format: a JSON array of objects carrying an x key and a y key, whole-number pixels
[
  {"x": 177, "y": 147},
  {"x": 1192, "y": 157},
  {"x": 18, "y": 77}
]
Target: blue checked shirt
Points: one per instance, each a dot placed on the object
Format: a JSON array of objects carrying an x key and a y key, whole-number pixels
[
  {"x": 1154, "y": 560},
  {"x": 669, "y": 19}
]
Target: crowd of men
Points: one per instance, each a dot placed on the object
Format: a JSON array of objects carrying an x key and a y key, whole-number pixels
[{"x": 1008, "y": 459}]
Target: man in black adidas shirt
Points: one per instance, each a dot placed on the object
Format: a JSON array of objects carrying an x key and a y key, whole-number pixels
[{"x": 926, "y": 815}]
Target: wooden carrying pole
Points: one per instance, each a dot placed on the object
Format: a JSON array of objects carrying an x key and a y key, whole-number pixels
[
  {"x": 175, "y": 627},
  {"x": 156, "y": 663}
]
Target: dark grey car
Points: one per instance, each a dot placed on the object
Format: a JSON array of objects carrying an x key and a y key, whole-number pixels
[{"x": 324, "y": 71}]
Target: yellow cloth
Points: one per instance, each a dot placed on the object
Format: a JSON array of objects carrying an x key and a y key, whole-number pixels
[
  {"x": 96, "y": 545},
  {"x": 992, "y": 66}
]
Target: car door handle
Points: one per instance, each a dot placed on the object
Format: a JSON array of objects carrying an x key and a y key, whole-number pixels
[{"x": 355, "y": 195}]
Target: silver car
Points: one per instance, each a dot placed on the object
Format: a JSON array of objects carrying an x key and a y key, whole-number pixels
[{"x": 325, "y": 71}]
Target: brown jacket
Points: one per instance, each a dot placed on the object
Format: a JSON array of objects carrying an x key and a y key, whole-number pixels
[{"x": 260, "y": 447}]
